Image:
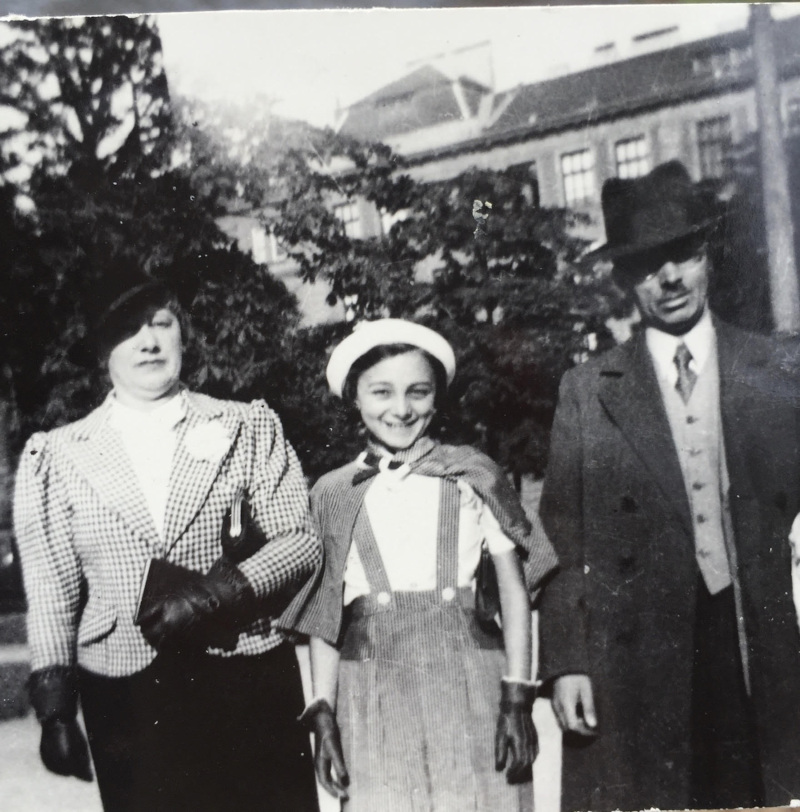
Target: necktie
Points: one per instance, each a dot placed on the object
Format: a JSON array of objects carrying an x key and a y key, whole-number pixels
[{"x": 686, "y": 376}]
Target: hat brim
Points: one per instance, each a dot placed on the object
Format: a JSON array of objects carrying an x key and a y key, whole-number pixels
[
  {"x": 371, "y": 334},
  {"x": 610, "y": 252}
]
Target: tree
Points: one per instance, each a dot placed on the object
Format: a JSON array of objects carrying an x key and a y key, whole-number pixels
[
  {"x": 94, "y": 126},
  {"x": 507, "y": 292}
]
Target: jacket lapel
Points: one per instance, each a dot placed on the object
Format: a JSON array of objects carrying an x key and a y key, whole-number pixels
[
  {"x": 737, "y": 365},
  {"x": 630, "y": 393},
  {"x": 204, "y": 440},
  {"x": 99, "y": 456}
]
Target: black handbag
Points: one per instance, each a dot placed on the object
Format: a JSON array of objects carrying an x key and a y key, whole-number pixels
[
  {"x": 241, "y": 536},
  {"x": 487, "y": 593}
]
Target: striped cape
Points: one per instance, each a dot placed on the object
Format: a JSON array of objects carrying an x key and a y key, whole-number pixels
[{"x": 336, "y": 502}]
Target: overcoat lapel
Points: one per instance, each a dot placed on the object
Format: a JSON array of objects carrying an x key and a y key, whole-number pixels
[
  {"x": 735, "y": 366},
  {"x": 193, "y": 475},
  {"x": 630, "y": 393},
  {"x": 99, "y": 456}
]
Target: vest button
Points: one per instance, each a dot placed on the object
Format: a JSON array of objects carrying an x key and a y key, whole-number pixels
[
  {"x": 691, "y": 419},
  {"x": 448, "y": 593},
  {"x": 384, "y": 598},
  {"x": 698, "y": 486},
  {"x": 701, "y": 518}
]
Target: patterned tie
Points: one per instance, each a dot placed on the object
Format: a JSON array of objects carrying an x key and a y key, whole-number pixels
[{"x": 687, "y": 378}]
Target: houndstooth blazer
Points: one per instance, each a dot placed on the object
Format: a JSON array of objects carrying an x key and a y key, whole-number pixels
[{"x": 84, "y": 531}]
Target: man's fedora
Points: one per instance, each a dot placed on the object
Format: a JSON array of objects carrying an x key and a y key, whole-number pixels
[{"x": 642, "y": 214}]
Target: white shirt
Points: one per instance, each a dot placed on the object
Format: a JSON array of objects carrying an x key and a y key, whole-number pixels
[
  {"x": 403, "y": 510},
  {"x": 150, "y": 440},
  {"x": 701, "y": 341}
]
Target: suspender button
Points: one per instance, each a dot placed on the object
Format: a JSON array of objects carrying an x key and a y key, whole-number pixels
[
  {"x": 384, "y": 598},
  {"x": 448, "y": 593}
]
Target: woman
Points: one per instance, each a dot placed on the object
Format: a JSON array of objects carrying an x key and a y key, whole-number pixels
[
  {"x": 401, "y": 669},
  {"x": 189, "y": 700}
]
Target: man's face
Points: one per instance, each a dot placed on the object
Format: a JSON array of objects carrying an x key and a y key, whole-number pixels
[{"x": 670, "y": 284}]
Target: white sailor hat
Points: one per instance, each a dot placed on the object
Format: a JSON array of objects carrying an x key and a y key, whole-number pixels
[{"x": 370, "y": 334}]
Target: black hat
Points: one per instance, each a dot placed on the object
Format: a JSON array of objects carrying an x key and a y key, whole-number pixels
[
  {"x": 122, "y": 288},
  {"x": 112, "y": 307},
  {"x": 642, "y": 214}
]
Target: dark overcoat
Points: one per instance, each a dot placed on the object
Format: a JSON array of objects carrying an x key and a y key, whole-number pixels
[{"x": 622, "y": 607}]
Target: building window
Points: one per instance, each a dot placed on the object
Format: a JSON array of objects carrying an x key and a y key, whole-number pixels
[
  {"x": 278, "y": 252},
  {"x": 528, "y": 177},
  {"x": 633, "y": 157},
  {"x": 258, "y": 245},
  {"x": 718, "y": 64},
  {"x": 577, "y": 169},
  {"x": 347, "y": 215},
  {"x": 793, "y": 116},
  {"x": 713, "y": 142}
]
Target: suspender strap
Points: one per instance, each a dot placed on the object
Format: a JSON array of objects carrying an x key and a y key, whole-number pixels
[
  {"x": 447, "y": 547},
  {"x": 368, "y": 552}
]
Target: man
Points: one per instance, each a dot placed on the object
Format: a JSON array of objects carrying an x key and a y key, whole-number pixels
[
  {"x": 190, "y": 697},
  {"x": 668, "y": 637}
]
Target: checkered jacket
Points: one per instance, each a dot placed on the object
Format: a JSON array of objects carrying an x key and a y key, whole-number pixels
[{"x": 85, "y": 533}]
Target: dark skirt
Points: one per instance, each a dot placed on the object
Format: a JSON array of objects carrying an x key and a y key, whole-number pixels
[
  {"x": 201, "y": 733},
  {"x": 419, "y": 689}
]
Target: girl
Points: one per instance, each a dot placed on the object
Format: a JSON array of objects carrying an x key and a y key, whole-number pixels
[{"x": 406, "y": 683}]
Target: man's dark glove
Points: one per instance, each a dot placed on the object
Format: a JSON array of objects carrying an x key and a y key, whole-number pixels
[
  {"x": 328, "y": 757},
  {"x": 203, "y": 610},
  {"x": 54, "y": 695},
  {"x": 516, "y": 744}
]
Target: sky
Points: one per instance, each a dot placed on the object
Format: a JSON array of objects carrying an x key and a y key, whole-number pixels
[{"x": 313, "y": 62}]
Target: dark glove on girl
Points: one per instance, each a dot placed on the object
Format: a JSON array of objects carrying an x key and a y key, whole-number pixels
[
  {"x": 516, "y": 744},
  {"x": 328, "y": 757},
  {"x": 54, "y": 695}
]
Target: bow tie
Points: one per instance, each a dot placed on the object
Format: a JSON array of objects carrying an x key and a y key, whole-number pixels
[{"x": 370, "y": 467}]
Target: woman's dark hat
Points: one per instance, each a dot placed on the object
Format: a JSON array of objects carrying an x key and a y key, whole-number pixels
[
  {"x": 118, "y": 295},
  {"x": 644, "y": 213}
]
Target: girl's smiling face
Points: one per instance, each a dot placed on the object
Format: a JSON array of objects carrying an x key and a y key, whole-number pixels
[{"x": 396, "y": 398}]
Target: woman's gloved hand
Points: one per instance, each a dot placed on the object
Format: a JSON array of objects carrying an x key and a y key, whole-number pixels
[
  {"x": 202, "y": 610},
  {"x": 516, "y": 744},
  {"x": 328, "y": 757},
  {"x": 54, "y": 696}
]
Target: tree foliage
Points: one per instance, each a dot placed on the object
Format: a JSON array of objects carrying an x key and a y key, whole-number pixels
[{"x": 94, "y": 175}]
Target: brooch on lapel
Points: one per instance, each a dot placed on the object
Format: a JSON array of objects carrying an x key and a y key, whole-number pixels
[{"x": 208, "y": 441}]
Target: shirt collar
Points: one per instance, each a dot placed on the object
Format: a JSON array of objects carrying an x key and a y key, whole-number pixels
[
  {"x": 701, "y": 341},
  {"x": 164, "y": 417}
]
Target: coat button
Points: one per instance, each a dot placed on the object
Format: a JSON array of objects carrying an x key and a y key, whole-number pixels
[
  {"x": 448, "y": 593},
  {"x": 701, "y": 519},
  {"x": 384, "y": 598}
]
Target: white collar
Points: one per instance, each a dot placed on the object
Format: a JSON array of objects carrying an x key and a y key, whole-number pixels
[
  {"x": 701, "y": 341},
  {"x": 163, "y": 417}
]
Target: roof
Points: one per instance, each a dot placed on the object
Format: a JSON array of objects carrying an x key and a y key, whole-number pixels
[
  {"x": 421, "y": 99},
  {"x": 654, "y": 79}
]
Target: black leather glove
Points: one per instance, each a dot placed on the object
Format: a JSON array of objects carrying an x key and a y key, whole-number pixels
[
  {"x": 203, "y": 610},
  {"x": 328, "y": 757},
  {"x": 54, "y": 695},
  {"x": 516, "y": 744}
]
